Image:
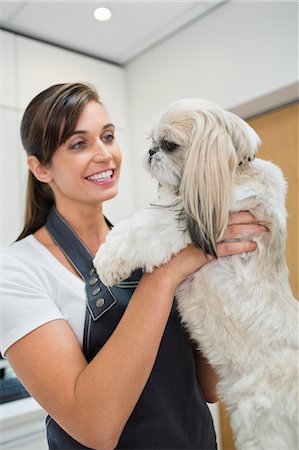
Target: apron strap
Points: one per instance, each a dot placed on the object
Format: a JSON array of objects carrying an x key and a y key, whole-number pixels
[{"x": 82, "y": 260}]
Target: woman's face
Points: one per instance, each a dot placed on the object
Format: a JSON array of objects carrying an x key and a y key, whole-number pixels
[{"x": 85, "y": 169}]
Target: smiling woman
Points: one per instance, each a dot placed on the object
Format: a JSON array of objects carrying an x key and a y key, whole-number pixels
[
  {"x": 43, "y": 138},
  {"x": 85, "y": 167}
]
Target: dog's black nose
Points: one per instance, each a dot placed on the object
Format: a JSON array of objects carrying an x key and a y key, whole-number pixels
[{"x": 153, "y": 150}]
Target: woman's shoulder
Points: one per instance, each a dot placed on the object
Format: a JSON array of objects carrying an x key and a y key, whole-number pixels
[
  {"x": 21, "y": 252},
  {"x": 28, "y": 291},
  {"x": 28, "y": 260},
  {"x": 19, "y": 246},
  {"x": 31, "y": 261}
]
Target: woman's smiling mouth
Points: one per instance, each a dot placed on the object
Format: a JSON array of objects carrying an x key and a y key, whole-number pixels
[{"x": 101, "y": 177}]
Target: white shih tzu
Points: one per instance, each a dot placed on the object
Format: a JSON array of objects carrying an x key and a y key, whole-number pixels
[{"x": 239, "y": 309}]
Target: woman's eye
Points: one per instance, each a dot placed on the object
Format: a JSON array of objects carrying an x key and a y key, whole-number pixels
[
  {"x": 78, "y": 145},
  {"x": 108, "y": 137}
]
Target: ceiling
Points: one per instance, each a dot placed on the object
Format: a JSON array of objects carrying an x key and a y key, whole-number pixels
[{"x": 134, "y": 28}]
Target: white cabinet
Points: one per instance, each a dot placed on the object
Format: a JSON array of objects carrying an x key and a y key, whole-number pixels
[{"x": 22, "y": 425}]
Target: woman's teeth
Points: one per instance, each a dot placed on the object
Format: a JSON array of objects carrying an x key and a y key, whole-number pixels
[{"x": 101, "y": 176}]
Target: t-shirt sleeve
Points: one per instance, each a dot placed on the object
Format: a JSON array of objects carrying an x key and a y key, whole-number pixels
[{"x": 26, "y": 301}]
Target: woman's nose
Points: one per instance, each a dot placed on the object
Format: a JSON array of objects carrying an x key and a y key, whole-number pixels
[{"x": 101, "y": 153}]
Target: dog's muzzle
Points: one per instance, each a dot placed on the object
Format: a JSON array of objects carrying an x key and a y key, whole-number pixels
[{"x": 151, "y": 152}]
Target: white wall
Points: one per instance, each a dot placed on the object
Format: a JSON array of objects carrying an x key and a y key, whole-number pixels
[
  {"x": 243, "y": 56},
  {"x": 28, "y": 67}
]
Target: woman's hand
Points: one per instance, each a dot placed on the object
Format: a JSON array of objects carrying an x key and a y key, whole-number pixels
[
  {"x": 236, "y": 240},
  {"x": 242, "y": 225}
]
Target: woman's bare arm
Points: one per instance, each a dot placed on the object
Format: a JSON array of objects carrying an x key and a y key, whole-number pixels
[
  {"x": 206, "y": 377},
  {"x": 93, "y": 402}
]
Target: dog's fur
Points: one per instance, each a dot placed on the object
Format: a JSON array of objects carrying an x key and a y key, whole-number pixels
[{"x": 239, "y": 309}]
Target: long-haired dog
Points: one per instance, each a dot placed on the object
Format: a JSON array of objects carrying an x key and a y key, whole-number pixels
[{"x": 239, "y": 309}]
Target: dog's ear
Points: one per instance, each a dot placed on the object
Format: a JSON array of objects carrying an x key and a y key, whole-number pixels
[
  {"x": 207, "y": 182},
  {"x": 199, "y": 237}
]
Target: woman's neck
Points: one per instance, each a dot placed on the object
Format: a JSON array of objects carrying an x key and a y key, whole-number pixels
[{"x": 89, "y": 224}]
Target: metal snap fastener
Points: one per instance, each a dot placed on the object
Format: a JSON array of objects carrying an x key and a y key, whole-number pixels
[
  {"x": 96, "y": 291},
  {"x": 93, "y": 281},
  {"x": 91, "y": 271},
  {"x": 100, "y": 302}
]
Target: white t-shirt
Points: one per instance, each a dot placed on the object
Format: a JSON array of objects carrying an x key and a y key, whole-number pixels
[{"x": 35, "y": 289}]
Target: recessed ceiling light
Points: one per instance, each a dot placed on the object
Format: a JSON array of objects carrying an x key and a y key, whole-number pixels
[{"x": 102, "y": 14}]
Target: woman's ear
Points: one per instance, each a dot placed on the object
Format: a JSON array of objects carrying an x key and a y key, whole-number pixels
[{"x": 41, "y": 173}]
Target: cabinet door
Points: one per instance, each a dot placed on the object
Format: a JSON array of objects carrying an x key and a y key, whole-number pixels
[
  {"x": 34, "y": 441},
  {"x": 22, "y": 424},
  {"x": 278, "y": 131}
]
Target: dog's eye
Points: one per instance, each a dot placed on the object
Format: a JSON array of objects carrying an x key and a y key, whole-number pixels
[{"x": 168, "y": 146}]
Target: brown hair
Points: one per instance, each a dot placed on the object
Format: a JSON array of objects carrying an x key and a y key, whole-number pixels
[{"x": 48, "y": 121}]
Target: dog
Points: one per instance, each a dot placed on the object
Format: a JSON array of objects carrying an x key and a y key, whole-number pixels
[{"x": 240, "y": 309}]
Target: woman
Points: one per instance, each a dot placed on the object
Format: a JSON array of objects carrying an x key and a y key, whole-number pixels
[{"x": 127, "y": 377}]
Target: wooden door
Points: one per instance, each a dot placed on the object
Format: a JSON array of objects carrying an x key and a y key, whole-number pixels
[{"x": 278, "y": 130}]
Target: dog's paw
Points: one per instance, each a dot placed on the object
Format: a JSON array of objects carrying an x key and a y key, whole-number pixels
[{"x": 110, "y": 268}]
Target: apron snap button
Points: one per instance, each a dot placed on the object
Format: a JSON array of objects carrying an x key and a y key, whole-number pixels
[
  {"x": 96, "y": 291},
  {"x": 93, "y": 281},
  {"x": 100, "y": 302}
]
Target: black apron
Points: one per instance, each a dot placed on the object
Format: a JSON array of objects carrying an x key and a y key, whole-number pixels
[{"x": 171, "y": 412}]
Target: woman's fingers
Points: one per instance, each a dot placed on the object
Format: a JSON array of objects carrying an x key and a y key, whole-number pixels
[
  {"x": 241, "y": 231},
  {"x": 242, "y": 225},
  {"x": 235, "y": 248},
  {"x": 241, "y": 217}
]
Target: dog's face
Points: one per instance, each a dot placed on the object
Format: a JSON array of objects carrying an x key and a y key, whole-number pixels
[
  {"x": 190, "y": 121},
  {"x": 171, "y": 135},
  {"x": 196, "y": 148}
]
